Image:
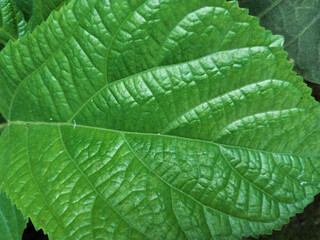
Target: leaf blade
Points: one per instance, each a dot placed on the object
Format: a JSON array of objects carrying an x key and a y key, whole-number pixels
[{"x": 211, "y": 104}]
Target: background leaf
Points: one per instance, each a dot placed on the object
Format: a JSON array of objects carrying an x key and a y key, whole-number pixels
[
  {"x": 12, "y": 23},
  {"x": 149, "y": 120},
  {"x": 299, "y": 22},
  {"x": 26, "y": 7},
  {"x": 42, "y": 9},
  {"x": 12, "y": 223}
]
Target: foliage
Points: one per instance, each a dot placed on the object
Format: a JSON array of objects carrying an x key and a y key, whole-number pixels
[
  {"x": 12, "y": 223},
  {"x": 143, "y": 119},
  {"x": 25, "y": 7},
  {"x": 41, "y": 10},
  {"x": 12, "y": 23},
  {"x": 299, "y": 22}
]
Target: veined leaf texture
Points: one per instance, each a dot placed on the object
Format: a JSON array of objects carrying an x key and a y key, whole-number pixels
[{"x": 149, "y": 119}]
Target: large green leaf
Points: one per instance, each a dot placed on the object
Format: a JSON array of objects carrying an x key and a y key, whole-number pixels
[
  {"x": 146, "y": 119},
  {"x": 12, "y": 223},
  {"x": 299, "y": 22},
  {"x": 12, "y": 23}
]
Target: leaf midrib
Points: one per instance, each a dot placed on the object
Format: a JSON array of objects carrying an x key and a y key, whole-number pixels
[
  {"x": 172, "y": 187},
  {"x": 74, "y": 125},
  {"x": 122, "y": 133}
]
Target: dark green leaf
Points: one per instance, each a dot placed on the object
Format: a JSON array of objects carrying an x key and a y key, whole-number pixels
[
  {"x": 26, "y": 7},
  {"x": 299, "y": 22},
  {"x": 42, "y": 9},
  {"x": 12, "y": 223}
]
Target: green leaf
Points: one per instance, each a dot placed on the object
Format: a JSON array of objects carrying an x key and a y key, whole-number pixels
[
  {"x": 144, "y": 119},
  {"x": 299, "y": 22},
  {"x": 12, "y": 223},
  {"x": 12, "y": 27},
  {"x": 26, "y": 7},
  {"x": 42, "y": 9},
  {"x": 12, "y": 23}
]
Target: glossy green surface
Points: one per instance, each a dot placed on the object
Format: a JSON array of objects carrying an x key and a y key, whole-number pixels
[
  {"x": 12, "y": 223},
  {"x": 172, "y": 119},
  {"x": 299, "y": 22}
]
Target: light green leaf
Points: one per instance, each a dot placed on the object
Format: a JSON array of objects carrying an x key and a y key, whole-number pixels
[
  {"x": 41, "y": 11},
  {"x": 144, "y": 119},
  {"x": 12, "y": 223},
  {"x": 12, "y": 23},
  {"x": 299, "y": 22}
]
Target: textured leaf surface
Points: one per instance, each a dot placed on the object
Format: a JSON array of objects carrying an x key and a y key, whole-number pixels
[
  {"x": 172, "y": 119},
  {"x": 299, "y": 22},
  {"x": 12, "y": 223},
  {"x": 12, "y": 23}
]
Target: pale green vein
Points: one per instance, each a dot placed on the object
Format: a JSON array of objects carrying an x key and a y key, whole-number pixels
[
  {"x": 74, "y": 126},
  {"x": 306, "y": 28},
  {"x": 267, "y": 10}
]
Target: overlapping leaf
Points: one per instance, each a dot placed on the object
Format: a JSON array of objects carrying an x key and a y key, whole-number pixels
[
  {"x": 41, "y": 9},
  {"x": 12, "y": 23},
  {"x": 299, "y": 22},
  {"x": 144, "y": 119},
  {"x": 26, "y": 7},
  {"x": 12, "y": 223}
]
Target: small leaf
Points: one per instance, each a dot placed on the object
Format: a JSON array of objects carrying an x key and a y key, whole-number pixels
[
  {"x": 12, "y": 223},
  {"x": 144, "y": 119},
  {"x": 12, "y": 23},
  {"x": 299, "y": 22}
]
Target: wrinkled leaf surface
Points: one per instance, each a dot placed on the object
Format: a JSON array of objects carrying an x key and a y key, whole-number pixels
[{"x": 144, "y": 119}]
